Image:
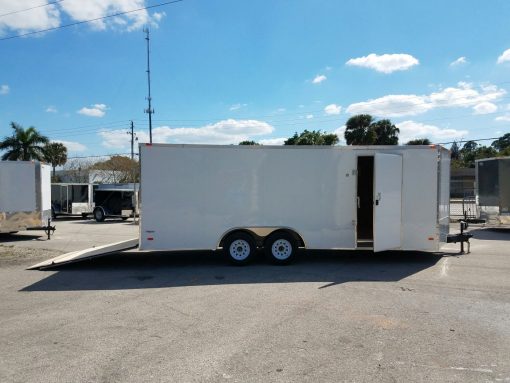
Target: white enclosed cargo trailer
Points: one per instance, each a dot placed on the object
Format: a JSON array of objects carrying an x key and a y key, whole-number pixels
[
  {"x": 239, "y": 198},
  {"x": 25, "y": 195}
]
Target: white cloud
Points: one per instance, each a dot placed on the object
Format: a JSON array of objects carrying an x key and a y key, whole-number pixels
[
  {"x": 462, "y": 96},
  {"x": 223, "y": 132},
  {"x": 391, "y": 106},
  {"x": 460, "y": 61},
  {"x": 332, "y": 109},
  {"x": 4, "y": 89},
  {"x": 51, "y": 109},
  {"x": 72, "y": 146},
  {"x": 485, "y": 108},
  {"x": 76, "y": 10},
  {"x": 273, "y": 141},
  {"x": 237, "y": 106},
  {"x": 158, "y": 16},
  {"x": 410, "y": 130},
  {"x": 35, "y": 19},
  {"x": 505, "y": 57},
  {"x": 340, "y": 133},
  {"x": 386, "y": 63},
  {"x": 505, "y": 118},
  {"x": 309, "y": 116},
  {"x": 96, "y": 110},
  {"x": 280, "y": 110},
  {"x": 318, "y": 79}
]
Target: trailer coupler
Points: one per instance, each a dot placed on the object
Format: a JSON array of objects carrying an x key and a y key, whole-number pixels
[{"x": 461, "y": 237}]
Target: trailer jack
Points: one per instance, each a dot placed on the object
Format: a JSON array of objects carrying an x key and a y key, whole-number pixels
[
  {"x": 461, "y": 237},
  {"x": 48, "y": 229}
]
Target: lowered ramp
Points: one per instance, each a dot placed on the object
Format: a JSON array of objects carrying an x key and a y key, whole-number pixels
[{"x": 81, "y": 255}]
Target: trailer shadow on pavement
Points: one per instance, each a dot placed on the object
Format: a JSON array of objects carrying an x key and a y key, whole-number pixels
[
  {"x": 488, "y": 234},
  {"x": 166, "y": 270},
  {"x": 6, "y": 238}
]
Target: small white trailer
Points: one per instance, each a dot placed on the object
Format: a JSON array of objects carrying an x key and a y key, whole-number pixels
[
  {"x": 240, "y": 198},
  {"x": 72, "y": 199},
  {"x": 25, "y": 196}
]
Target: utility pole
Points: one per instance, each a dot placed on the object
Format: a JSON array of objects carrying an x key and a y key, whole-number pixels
[
  {"x": 133, "y": 139},
  {"x": 149, "y": 110}
]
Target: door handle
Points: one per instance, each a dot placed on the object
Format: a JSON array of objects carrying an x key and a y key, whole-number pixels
[{"x": 359, "y": 204}]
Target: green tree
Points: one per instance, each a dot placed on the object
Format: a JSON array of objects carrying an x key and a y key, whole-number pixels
[
  {"x": 468, "y": 154},
  {"x": 24, "y": 144},
  {"x": 359, "y": 130},
  {"x": 455, "y": 151},
  {"x": 386, "y": 133},
  {"x": 471, "y": 152},
  {"x": 502, "y": 143},
  {"x": 117, "y": 169},
  {"x": 314, "y": 137},
  {"x": 55, "y": 153},
  {"x": 248, "y": 143},
  {"x": 419, "y": 141}
]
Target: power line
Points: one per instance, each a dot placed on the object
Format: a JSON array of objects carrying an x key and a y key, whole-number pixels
[
  {"x": 29, "y": 9},
  {"x": 136, "y": 154},
  {"x": 101, "y": 156},
  {"x": 91, "y": 20},
  {"x": 474, "y": 140}
]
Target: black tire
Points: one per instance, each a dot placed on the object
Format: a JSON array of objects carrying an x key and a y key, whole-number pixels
[
  {"x": 99, "y": 215},
  {"x": 239, "y": 248},
  {"x": 281, "y": 248}
]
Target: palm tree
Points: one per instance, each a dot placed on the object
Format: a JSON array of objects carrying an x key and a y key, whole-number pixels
[
  {"x": 386, "y": 133},
  {"x": 359, "y": 130},
  {"x": 24, "y": 144},
  {"x": 55, "y": 153}
]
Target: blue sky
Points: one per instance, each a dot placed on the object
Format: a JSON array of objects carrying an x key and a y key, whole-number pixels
[{"x": 225, "y": 71}]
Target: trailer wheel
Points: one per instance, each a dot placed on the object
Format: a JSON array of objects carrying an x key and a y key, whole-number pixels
[
  {"x": 281, "y": 248},
  {"x": 239, "y": 248},
  {"x": 99, "y": 215}
]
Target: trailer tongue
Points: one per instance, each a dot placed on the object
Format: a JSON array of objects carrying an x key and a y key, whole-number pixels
[{"x": 81, "y": 255}]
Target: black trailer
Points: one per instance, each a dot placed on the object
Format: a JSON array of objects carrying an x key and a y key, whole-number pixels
[
  {"x": 493, "y": 190},
  {"x": 115, "y": 201}
]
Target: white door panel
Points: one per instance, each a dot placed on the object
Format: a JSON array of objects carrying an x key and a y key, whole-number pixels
[{"x": 388, "y": 201}]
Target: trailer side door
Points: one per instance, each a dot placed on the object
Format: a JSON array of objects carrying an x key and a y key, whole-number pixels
[{"x": 387, "y": 201}]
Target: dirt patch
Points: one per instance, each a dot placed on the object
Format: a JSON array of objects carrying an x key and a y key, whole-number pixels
[{"x": 12, "y": 256}]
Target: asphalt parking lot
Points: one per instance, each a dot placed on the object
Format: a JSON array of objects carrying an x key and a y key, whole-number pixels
[{"x": 190, "y": 317}]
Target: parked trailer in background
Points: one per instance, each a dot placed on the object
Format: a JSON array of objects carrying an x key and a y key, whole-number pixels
[
  {"x": 115, "y": 201},
  {"x": 493, "y": 190},
  {"x": 239, "y": 198},
  {"x": 72, "y": 199},
  {"x": 25, "y": 196}
]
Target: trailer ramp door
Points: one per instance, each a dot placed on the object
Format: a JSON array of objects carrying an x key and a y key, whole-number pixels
[
  {"x": 387, "y": 201},
  {"x": 82, "y": 255}
]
